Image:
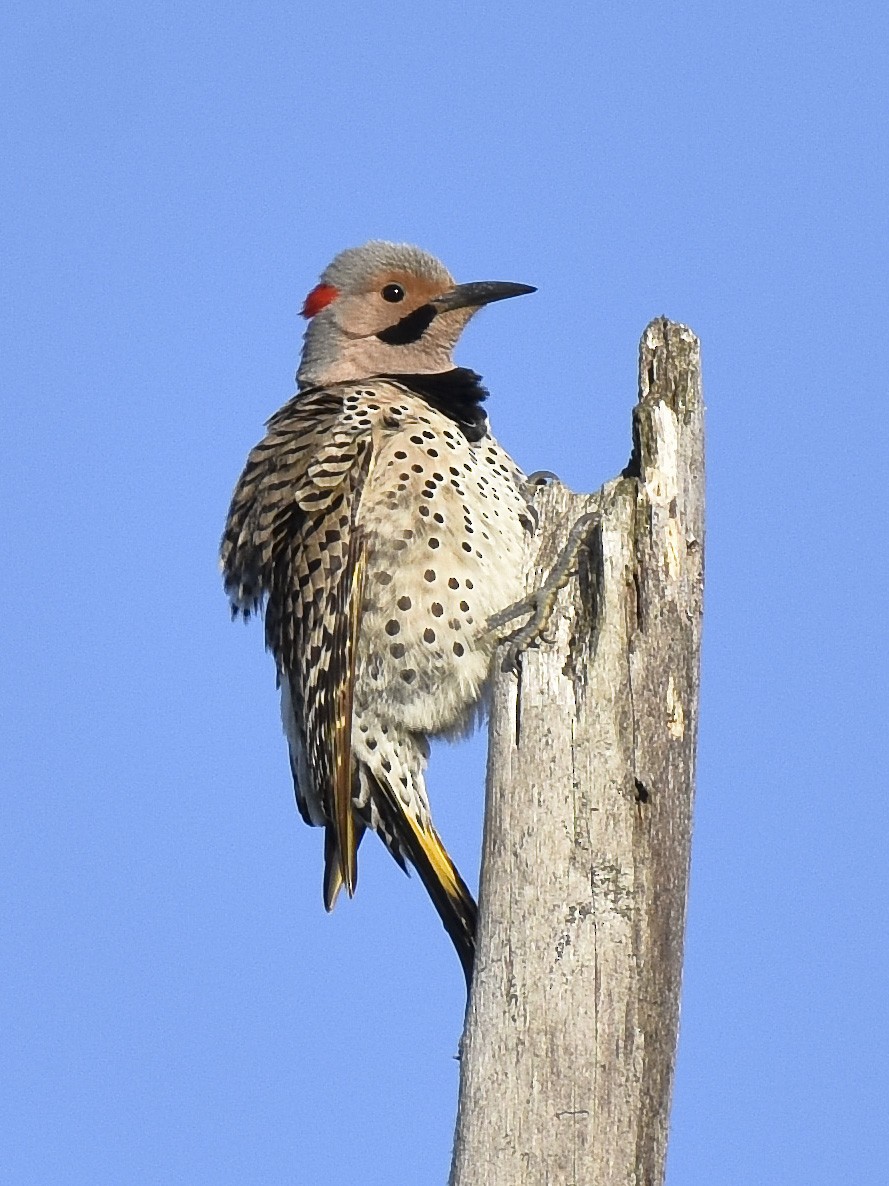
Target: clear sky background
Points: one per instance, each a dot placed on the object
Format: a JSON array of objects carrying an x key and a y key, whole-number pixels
[{"x": 176, "y": 1006}]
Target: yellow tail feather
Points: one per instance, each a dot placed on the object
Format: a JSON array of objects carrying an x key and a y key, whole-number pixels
[{"x": 450, "y": 896}]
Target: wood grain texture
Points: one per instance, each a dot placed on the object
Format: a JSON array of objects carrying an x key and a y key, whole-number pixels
[{"x": 569, "y": 1048}]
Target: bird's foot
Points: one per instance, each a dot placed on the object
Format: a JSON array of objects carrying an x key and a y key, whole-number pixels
[
  {"x": 541, "y": 477},
  {"x": 531, "y": 516},
  {"x": 541, "y": 602}
]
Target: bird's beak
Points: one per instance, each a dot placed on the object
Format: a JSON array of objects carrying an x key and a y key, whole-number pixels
[{"x": 482, "y": 292}]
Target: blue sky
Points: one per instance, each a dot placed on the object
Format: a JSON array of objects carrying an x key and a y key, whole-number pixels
[{"x": 176, "y": 1005}]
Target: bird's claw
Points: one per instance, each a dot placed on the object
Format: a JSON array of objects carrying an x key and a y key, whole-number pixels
[
  {"x": 542, "y": 477},
  {"x": 530, "y": 518},
  {"x": 541, "y": 603},
  {"x": 534, "y": 631}
]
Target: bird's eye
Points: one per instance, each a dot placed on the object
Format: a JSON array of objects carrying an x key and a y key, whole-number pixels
[{"x": 393, "y": 293}]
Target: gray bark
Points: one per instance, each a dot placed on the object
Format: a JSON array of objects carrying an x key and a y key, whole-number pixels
[{"x": 570, "y": 1041}]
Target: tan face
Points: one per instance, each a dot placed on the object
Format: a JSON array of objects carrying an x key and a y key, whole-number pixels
[
  {"x": 387, "y": 309},
  {"x": 386, "y": 299},
  {"x": 386, "y": 324}
]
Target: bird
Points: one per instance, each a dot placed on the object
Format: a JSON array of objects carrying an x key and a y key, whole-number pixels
[{"x": 379, "y": 527}]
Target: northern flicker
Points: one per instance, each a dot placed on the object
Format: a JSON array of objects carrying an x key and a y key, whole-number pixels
[{"x": 380, "y": 526}]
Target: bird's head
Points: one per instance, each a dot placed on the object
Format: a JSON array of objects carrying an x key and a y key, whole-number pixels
[{"x": 388, "y": 309}]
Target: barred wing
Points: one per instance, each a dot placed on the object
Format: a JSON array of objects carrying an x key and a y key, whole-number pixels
[{"x": 292, "y": 543}]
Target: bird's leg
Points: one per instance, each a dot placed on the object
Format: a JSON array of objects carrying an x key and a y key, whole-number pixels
[{"x": 541, "y": 602}]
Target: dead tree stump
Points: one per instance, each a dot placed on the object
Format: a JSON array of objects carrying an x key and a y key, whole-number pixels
[{"x": 570, "y": 1040}]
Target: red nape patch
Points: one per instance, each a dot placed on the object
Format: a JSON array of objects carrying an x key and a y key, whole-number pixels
[{"x": 319, "y": 298}]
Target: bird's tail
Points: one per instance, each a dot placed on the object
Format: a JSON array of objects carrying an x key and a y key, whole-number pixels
[
  {"x": 333, "y": 864},
  {"x": 449, "y": 893}
]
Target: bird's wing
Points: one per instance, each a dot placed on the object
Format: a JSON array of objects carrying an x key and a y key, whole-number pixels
[{"x": 291, "y": 540}]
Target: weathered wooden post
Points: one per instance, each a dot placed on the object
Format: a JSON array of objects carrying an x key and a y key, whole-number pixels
[{"x": 571, "y": 1032}]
